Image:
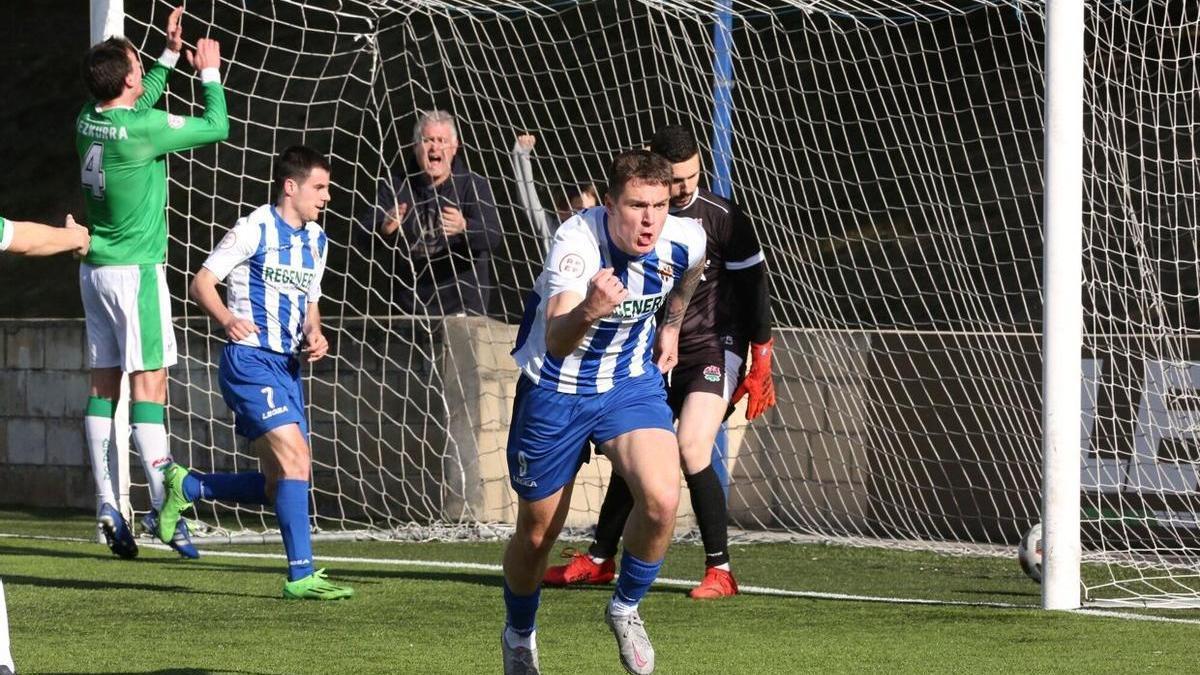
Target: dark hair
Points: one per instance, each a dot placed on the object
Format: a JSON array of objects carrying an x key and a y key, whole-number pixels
[
  {"x": 675, "y": 142},
  {"x": 640, "y": 165},
  {"x": 296, "y": 163},
  {"x": 575, "y": 192},
  {"x": 105, "y": 67}
]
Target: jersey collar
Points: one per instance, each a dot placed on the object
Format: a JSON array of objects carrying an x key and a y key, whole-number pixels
[{"x": 283, "y": 224}]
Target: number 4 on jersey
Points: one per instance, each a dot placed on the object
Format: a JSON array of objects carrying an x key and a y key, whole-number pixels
[{"x": 92, "y": 173}]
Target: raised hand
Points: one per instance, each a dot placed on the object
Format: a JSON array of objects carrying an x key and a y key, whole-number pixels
[
  {"x": 605, "y": 292},
  {"x": 527, "y": 141},
  {"x": 175, "y": 30},
  {"x": 207, "y": 54},
  {"x": 453, "y": 221},
  {"x": 392, "y": 224}
]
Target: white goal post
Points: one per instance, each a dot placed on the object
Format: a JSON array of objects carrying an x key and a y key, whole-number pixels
[
  {"x": 978, "y": 217},
  {"x": 1062, "y": 341}
]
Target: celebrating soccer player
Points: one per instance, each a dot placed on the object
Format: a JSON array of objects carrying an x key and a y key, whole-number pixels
[
  {"x": 731, "y": 306},
  {"x": 122, "y": 142},
  {"x": 274, "y": 259},
  {"x": 584, "y": 349}
]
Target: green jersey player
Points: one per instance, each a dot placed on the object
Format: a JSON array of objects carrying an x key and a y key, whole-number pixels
[{"x": 122, "y": 141}]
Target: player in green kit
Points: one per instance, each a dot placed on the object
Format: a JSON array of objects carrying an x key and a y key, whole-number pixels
[{"x": 122, "y": 141}]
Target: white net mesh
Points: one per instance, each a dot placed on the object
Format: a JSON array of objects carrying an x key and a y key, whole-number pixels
[
  {"x": 1141, "y": 375},
  {"x": 889, "y": 154}
]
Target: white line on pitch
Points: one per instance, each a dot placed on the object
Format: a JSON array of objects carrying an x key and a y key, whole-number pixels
[
  {"x": 1106, "y": 613},
  {"x": 664, "y": 581},
  {"x": 683, "y": 583}
]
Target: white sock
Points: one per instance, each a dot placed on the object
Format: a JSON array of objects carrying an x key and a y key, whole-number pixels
[
  {"x": 5, "y": 652},
  {"x": 515, "y": 639},
  {"x": 598, "y": 561},
  {"x": 722, "y": 566},
  {"x": 151, "y": 442},
  {"x": 618, "y": 607},
  {"x": 99, "y": 431}
]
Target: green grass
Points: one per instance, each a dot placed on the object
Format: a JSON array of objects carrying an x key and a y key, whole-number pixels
[{"x": 75, "y": 609}]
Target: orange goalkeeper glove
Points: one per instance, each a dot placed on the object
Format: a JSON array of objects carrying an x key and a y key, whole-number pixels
[{"x": 758, "y": 382}]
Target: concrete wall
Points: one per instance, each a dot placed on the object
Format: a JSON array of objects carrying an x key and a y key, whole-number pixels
[
  {"x": 409, "y": 423},
  {"x": 43, "y": 388},
  {"x": 806, "y": 457}
]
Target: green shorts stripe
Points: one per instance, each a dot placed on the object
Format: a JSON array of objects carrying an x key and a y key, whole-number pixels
[{"x": 150, "y": 323}]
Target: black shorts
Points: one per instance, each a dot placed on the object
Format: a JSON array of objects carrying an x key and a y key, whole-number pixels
[{"x": 715, "y": 370}]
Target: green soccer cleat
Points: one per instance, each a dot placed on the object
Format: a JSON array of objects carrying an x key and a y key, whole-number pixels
[
  {"x": 174, "y": 503},
  {"x": 315, "y": 587}
]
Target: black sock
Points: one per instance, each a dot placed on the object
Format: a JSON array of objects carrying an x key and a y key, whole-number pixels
[
  {"x": 708, "y": 503},
  {"x": 618, "y": 504}
]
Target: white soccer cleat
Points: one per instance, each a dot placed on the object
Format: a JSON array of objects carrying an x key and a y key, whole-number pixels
[
  {"x": 519, "y": 660},
  {"x": 637, "y": 654}
]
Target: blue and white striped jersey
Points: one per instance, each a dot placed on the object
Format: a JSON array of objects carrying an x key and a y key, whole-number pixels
[
  {"x": 619, "y": 346},
  {"x": 274, "y": 272}
]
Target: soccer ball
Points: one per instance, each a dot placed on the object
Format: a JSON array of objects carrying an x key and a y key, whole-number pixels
[{"x": 1029, "y": 553}]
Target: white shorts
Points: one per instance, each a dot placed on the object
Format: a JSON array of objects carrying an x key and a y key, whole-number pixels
[{"x": 128, "y": 314}]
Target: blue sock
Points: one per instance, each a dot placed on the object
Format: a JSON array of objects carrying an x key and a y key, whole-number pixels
[
  {"x": 291, "y": 508},
  {"x": 636, "y": 577},
  {"x": 243, "y": 488},
  {"x": 522, "y": 610}
]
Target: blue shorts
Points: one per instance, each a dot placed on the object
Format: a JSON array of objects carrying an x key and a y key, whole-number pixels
[
  {"x": 548, "y": 438},
  {"x": 262, "y": 388}
]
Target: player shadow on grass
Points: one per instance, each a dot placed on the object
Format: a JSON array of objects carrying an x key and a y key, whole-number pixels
[
  {"x": 103, "y": 585},
  {"x": 351, "y": 574},
  {"x": 369, "y": 577},
  {"x": 175, "y": 671},
  {"x": 33, "y": 551}
]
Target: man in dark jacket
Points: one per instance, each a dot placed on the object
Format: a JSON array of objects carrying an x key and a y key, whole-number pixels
[{"x": 443, "y": 221}]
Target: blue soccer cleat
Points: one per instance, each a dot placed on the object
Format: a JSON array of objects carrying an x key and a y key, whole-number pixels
[
  {"x": 116, "y": 531},
  {"x": 181, "y": 541}
]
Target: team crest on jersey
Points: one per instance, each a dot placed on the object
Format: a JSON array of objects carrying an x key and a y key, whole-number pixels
[
  {"x": 175, "y": 121},
  {"x": 712, "y": 373},
  {"x": 666, "y": 271}
]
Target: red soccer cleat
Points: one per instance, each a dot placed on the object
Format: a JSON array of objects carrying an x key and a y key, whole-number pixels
[
  {"x": 581, "y": 570},
  {"x": 717, "y": 583}
]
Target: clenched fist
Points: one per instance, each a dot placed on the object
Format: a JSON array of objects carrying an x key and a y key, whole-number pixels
[{"x": 605, "y": 292}]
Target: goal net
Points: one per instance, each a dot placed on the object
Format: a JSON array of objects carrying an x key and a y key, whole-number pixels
[{"x": 889, "y": 154}]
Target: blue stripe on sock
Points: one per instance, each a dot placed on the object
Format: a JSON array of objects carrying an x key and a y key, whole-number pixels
[
  {"x": 291, "y": 508},
  {"x": 522, "y": 610},
  {"x": 636, "y": 577},
  {"x": 248, "y": 487},
  {"x": 192, "y": 489}
]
